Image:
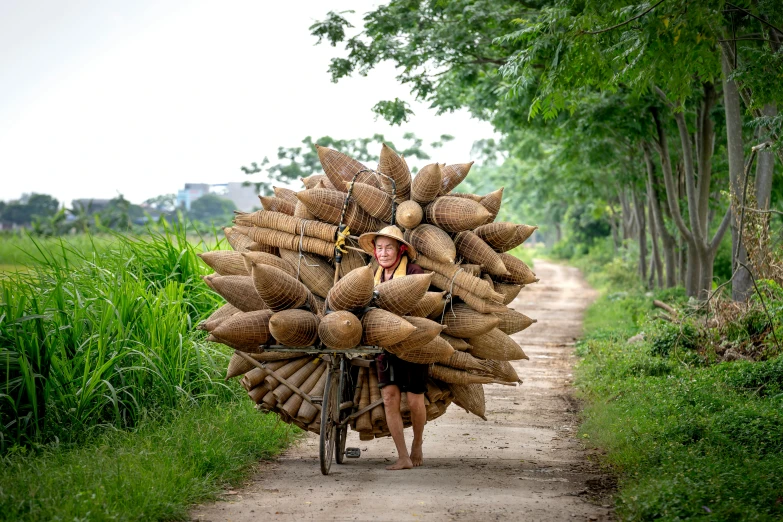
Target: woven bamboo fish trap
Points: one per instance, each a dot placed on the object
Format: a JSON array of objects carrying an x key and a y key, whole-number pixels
[
  {"x": 262, "y": 258},
  {"x": 470, "y": 397},
  {"x": 483, "y": 306},
  {"x": 248, "y": 329},
  {"x": 351, "y": 261},
  {"x": 400, "y": 295},
  {"x": 241, "y": 243},
  {"x": 508, "y": 290},
  {"x": 285, "y": 371},
  {"x": 374, "y": 201},
  {"x": 208, "y": 280},
  {"x": 474, "y": 270},
  {"x": 377, "y": 414},
  {"x": 286, "y": 194},
  {"x": 360, "y": 221},
  {"x": 430, "y": 302},
  {"x": 409, "y": 214},
  {"x": 324, "y": 204},
  {"x": 512, "y": 321},
  {"x": 279, "y": 290},
  {"x": 495, "y": 345},
  {"x": 394, "y": 166},
  {"x": 475, "y": 197},
  {"x": 294, "y": 327},
  {"x": 364, "y": 422},
  {"x": 383, "y": 328},
  {"x": 339, "y": 168},
  {"x": 492, "y": 203},
  {"x": 300, "y": 211},
  {"x": 313, "y": 180},
  {"x": 519, "y": 272},
  {"x": 436, "y": 350},
  {"x": 314, "y": 271},
  {"x": 317, "y": 305},
  {"x": 455, "y": 214},
  {"x": 497, "y": 235},
  {"x": 282, "y": 393},
  {"x": 239, "y": 291},
  {"x": 438, "y": 312},
  {"x": 432, "y": 242},
  {"x": 237, "y": 365},
  {"x": 522, "y": 234},
  {"x": 463, "y": 279},
  {"x": 454, "y": 376},
  {"x": 465, "y": 361},
  {"x": 218, "y": 316},
  {"x": 453, "y": 175},
  {"x": 307, "y": 412},
  {"x": 340, "y": 330},
  {"x": 458, "y": 344},
  {"x": 291, "y": 225},
  {"x": 354, "y": 291},
  {"x": 288, "y": 241},
  {"x": 292, "y": 405},
  {"x": 502, "y": 370},
  {"x": 225, "y": 262},
  {"x": 464, "y": 322},
  {"x": 426, "y": 184},
  {"x": 275, "y": 204},
  {"x": 475, "y": 250}
]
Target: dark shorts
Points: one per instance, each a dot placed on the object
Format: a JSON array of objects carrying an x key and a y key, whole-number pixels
[{"x": 408, "y": 377}]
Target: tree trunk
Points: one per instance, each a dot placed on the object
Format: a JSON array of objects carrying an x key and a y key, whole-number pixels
[
  {"x": 765, "y": 168},
  {"x": 682, "y": 262},
  {"x": 641, "y": 233},
  {"x": 667, "y": 239},
  {"x": 656, "y": 253}
]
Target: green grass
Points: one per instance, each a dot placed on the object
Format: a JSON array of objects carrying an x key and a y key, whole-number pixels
[{"x": 154, "y": 473}]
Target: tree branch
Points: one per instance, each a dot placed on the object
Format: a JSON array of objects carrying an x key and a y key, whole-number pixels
[
  {"x": 718, "y": 237},
  {"x": 754, "y": 16},
  {"x": 626, "y": 22}
]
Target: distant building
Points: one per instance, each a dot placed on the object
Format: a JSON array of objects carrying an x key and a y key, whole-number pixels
[
  {"x": 245, "y": 198},
  {"x": 91, "y": 205},
  {"x": 191, "y": 193}
]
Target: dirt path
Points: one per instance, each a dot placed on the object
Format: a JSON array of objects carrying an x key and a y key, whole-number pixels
[{"x": 524, "y": 463}]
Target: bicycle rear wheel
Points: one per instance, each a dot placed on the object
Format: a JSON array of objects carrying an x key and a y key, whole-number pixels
[{"x": 329, "y": 407}]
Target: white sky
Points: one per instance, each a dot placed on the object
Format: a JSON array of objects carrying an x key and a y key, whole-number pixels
[{"x": 105, "y": 97}]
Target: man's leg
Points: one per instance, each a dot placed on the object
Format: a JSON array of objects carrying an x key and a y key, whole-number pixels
[
  {"x": 418, "y": 419},
  {"x": 391, "y": 404}
]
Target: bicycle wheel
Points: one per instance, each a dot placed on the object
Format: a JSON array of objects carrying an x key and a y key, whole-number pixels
[
  {"x": 329, "y": 406},
  {"x": 342, "y": 431}
]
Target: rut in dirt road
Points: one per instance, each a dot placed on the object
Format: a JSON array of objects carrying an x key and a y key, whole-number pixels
[{"x": 524, "y": 462}]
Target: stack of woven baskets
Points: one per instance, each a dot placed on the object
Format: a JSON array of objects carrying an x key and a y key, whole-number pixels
[{"x": 278, "y": 283}]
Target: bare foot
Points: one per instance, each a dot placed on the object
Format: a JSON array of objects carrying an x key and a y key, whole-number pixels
[
  {"x": 417, "y": 457},
  {"x": 401, "y": 464}
]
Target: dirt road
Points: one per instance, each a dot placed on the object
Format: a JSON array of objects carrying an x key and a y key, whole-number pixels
[{"x": 525, "y": 463}]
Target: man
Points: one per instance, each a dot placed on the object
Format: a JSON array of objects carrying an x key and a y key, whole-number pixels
[{"x": 396, "y": 376}]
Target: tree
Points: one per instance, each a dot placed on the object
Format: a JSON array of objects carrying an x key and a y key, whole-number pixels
[
  {"x": 23, "y": 211},
  {"x": 211, "y": 207}
]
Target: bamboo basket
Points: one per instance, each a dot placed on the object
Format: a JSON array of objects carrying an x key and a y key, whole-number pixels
[
  {"x": 225, "y": 262},
  {"x": 401, "y": 295},
  {"x": 255, "y": 377},
  {"x": 279, "y": 290},
  {"x": 274, "y": 204},
  {"x": 324, "y": 204},
  {"x": 455, "y": 214},
  {"x": 512, "y": 321},
  {"x": 495, "y": 345},
  {"x": 510, "y": 291},
  {"x": 292, "y": 405},
  {"x": 291, "y": 225},
  {"x": 434, "y": 391},
  {"x": 382, "y": 328},
  {"x": 307, "y": 412},
  {"x": 436, "y": 350},
  {"x": 470, "y": 397},
  {"x": 279, "y": 239},
  {"x": 492, "y": 203},
  {"x": 428, "y": 304},
  {"x": 364, "y": 421},
  {"x": 502, "y": 370},
  {"x": 237, "y": 365},
  {"x": 282, "y": 393},
  {"x": 394, "y": 166},
  {"x": 465, "y": 361},
  {"x": 474, "y": 270},
  {"x": 462, "y": 321},
  {"x": 241, "y": 243},
  {"x": 351, "y": 261},
  {"x": 519, "y": 272},
  {"x": 409, "y": 214},
  {"x": 426, "y": 185},
  {"x": 377, "y": 414},
  {"x": 481, "y": 288},
  {"x": 300, "y": 211},
  {"x": 453, "y": 376},
  {"x": 248, "y": 330},
  {"x": 432, "y": 242},
  {"x": 374, "y": 201},
  {"x": 286, "y": 195},
  {"x": 475, "y": 250},
  {"x": 453, "y": 175},
  {"x": 354, "y": 291},
  {"x": 497, "y": 235},
  {"x": 522, "y": 234},
  {"x": 426, "y": 331},
  {"x": 340, "y": 330},
  {"x": 483, "y": 306},
  {"x": 456, "y": 343},
  {"x": 262, "y": 258},
  {"x": 311, "y": 181},
  {"x": 340, "y": 168},
  {"x": 285, "y": 371},
  {"x": 314, "y": 271},
  {"x": 218, "y": 316},
  {"x": 359, "y": 221},
  {"x": 475, "y": 197},
  {"x": 294, "y": 327},
  {"x": 239, "y": 291}
]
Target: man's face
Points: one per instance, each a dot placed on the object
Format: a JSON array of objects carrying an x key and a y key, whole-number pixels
[{"x": 386, "y": 250}]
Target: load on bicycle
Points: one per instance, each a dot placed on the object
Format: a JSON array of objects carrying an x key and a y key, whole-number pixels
[{"x": 339, "y": 318}]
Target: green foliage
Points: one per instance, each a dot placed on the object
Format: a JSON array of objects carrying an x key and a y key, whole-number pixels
[
  {"x": 211, "y": 207},
  {"x": 28, "y": 208},
  {"x": 667, "y": 338}
]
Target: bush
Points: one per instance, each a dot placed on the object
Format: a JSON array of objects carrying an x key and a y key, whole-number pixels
[{"x": 667, "y": 338}]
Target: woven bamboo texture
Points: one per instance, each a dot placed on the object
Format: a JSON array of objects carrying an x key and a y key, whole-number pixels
[
  {"x": 364, "y": 422},
  {"x": 409, "y": 214},
  {"x": 314, "y": 271},
  {"x": 465, "y": 361},
  {"x": 455, "y": 214},
  {"x": 508, "y": 290},
  {"x": 519, "y": 272},
  {"x": 225, "y": 262},
  {"x": 286, "y": 194},
  {"x": 432, "y": 242},
  {"x": 497, "y": 235},
  {"x": 512, "y": 321},
  {"x": 248, "y": 329},
  {"x": 477, "y": 251},
  {"x": 426, "y": 331},
  {"x": 464, "y": 322},
  {"x": 522, "y": 234},
  {"x": 240, "y": 242},
  {"x": 484, "y": 306},
  {"x": 377, "y": 414},
  {"x": 351, "y": 261},
  {"x": 436, "y": 350},
  {"x": 502, "y": 370},
  {"x": 340, "y": 330},
  {"x": 262, "y": 258},
  {"x": 492, "y": 203},
  {"x": 307, "y": 412},
  {"x": 292, "y": 225},
  {"x": 480, "y": 287},
  {"x": 426, "y": 184},
  {"x": 470, "y": 397},
  {"x": 340, "y": 168},
  {"x": 282, "y": 393},
  {"x": 324, "y": 204},
  {"x": 300, "y": 211},
  {"x": 458, "y": 344},
  {"x": 400, "y": 295},
  {"x": 453, "y": 376},
  {"x": 218, "y": 316},
  {"x": 475, "y": 197},
  {"x": 288, "y": 241},
  {"x": 394, "y": 166},
  {"x": 239, "y": 291},
  {"x": 359, "y": 221},
  {"x": 279, "y": 290},
  {"x": 383, "y": 328},
  {"x": 311, "y": 181},
  {"x": 495, "y": 345},
  {"x": 374, "y": 201},
  {"x": 453, "y": 175},
  {"x": 430, "y": 302},
  {"x": 285, "y": 371},
  {"x": 292, "y": 405},
  {"x": 354, "y": 291},
  {"x": 237, "y": 365},
  {"x": 474, "y": 270},
  {"x": 317, "y": 305},
  {"x": 275, "y": 204},
  {"x": 294, "y": 327}
]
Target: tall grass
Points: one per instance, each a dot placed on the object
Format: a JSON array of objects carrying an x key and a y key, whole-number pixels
[{"x": 103, "y": 336}]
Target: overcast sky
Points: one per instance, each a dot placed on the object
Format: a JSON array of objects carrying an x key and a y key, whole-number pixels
[{"x": 101, "y": 98}]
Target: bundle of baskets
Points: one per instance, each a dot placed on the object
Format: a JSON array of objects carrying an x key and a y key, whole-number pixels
[{"x": 296, "y": 278}]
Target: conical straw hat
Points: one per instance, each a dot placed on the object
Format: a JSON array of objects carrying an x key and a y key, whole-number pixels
[
  {"x": 436, "y": 350},
  {"x": 458, "y": 344},
  {"x": 455, "y": 214},
  {"x": 400, "y": 295},
  {"x": 426, "y": 331},
  {"x": 453, "y": 175},
  {"x": 239, "y": 291},
  {"x": 354, "y": 291},
  {"x": 394, "y": 166},
  {"x": 248, "y": 329},
  {"x": 432, "y": 242},
  {"x": 512, "y": 321},
  {"x": 454, "y": 376},
  {"x": 475, "y": 250},
  {"x": 314, "y": 271},
  {"x": 428, "y": 304},
  {"x": 340, "y": 330},
  {"x": 426, "y": 185},
  {"x": 492, "y": 203},
  {"x": 218, "y": 316},
  {"x": 409, "y": 214},
  {"x": 519, "y": 272},
  {"x": 279, "y": 290},
  {"x": 464, "y": 322},
  {"x": 294, "y": 327},
  {"x": 383, "y": 328},
  {"x": 372, "y": 200},
  {"x": 497, "y": 235},
  {"x": 495, "y": 345},
  {"x": 275, "y": 204},
  {"x": 508, "y": 290},
  {"x": 367, "y": 240},
  {"x": 286, "y": 194},
  {"x": 262, "y": 258},
  {"x": 470, "y": 397},
  {"x": 225, "y": 262}
]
